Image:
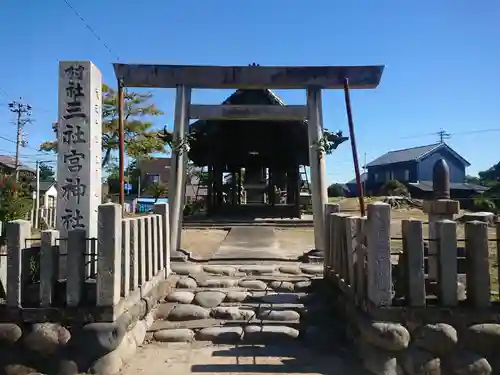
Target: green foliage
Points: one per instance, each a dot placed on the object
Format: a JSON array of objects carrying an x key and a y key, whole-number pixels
[
  {"x": 335, "y": 190},
  {"x": 15, "y": 199},
  {"x": 132, "y": 176},
  {"x": 157, "y": 190},
  {"x": 491, "y": 174},
  {"x": 46, "y": 172},
  {"x": 484, "y": 204},
  {"x": 141, "y": 140},
  {"x": 394, "y": 187}
]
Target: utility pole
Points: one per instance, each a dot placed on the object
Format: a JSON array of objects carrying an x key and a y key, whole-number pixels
[
  {"x": 443, "y": 135},
  {"x": 23, "y": 112}
]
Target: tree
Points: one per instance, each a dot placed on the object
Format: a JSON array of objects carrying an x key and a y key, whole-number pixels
[
  {"x": 46, "y": 172},
  {"x": 132, "y": 176},
  {"x": 335, "y": 190},
  {"x": 394, "y": 187},
  {"x": 157, "y": 189},
  {"x": 141, "y": 140},
  {"x": 491, "y": 174},
  {"x": 15, "y": 199}
]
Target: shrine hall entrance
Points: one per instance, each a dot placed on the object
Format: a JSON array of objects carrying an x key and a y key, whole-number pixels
[
  {"x": 253, "y": 165},
  {"x": 253, "y": 137}
]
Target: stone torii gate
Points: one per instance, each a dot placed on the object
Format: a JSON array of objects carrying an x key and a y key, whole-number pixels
[{"x": 185, "y": 78}]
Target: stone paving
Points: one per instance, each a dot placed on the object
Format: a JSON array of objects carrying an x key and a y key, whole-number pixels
[{"x": 202, "y": 358}]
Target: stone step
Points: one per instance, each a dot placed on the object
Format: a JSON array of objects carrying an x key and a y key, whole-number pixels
[
  {"x": 210, "y": 298},
  {"x": 196, "y": 325},
  {"x": 253, "y": 283},
  {"x": 257, "y": 333},
  {"x": 230, "y": 311},
  {"x": 185, "y": 268}
]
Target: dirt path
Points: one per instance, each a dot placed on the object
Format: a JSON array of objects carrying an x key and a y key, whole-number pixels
[{"x": 200, "y": 358}]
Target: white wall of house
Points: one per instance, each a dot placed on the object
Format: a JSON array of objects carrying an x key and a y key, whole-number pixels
[{"x": 49, "y": 198}]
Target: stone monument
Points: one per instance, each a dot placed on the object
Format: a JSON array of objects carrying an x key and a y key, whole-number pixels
[{"x": 79, "y": 138}]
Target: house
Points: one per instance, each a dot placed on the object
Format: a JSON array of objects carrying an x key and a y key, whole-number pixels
[
  {"x": 158, "y": 170},
  {"x": 351, "y": 187},
  {"x": 414, "y": 167},
  {"x": 8, "y": 165},
  {"x": 48, "y": 193}
]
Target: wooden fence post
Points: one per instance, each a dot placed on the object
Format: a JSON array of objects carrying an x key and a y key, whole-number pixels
[
  {"x": 413, "y": 250},
  {"x": 379, "y": 254}
]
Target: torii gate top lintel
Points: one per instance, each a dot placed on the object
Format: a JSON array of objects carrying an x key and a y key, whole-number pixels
[{"x": 248, "y": 77}]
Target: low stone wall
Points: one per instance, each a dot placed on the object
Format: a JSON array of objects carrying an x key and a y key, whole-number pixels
[
  {"x": 99, "y": 348},
  {"x": 397, "y": 341}
]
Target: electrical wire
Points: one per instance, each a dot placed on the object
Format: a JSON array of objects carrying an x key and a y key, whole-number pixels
[{"x": 91, "y": 30}]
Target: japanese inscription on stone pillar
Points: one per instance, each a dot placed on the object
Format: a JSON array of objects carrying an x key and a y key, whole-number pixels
[{"x": 79, "y": 147}]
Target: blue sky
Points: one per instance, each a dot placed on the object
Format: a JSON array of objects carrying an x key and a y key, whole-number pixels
[{"x": 442, "y": 61}]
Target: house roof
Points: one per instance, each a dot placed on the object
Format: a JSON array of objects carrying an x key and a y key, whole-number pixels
[
  {"x": 412, "y": 154},
  {"x": 44, "y": 185},
  {"x": 364, "y": 177},
  {"x": 10, "y": 162},
  {"x": 427, "y": 186}
]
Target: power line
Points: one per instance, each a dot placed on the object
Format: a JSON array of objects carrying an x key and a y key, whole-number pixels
[
  {"x": 442, "y": 134},
  {"x": 91, "y": 30}
]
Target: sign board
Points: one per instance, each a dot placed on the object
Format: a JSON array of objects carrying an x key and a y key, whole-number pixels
[
  {"x": 79, "y": 147},
  {"x": 127, "y": 187}
]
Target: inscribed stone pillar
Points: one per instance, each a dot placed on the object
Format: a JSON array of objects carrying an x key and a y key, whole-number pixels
[{"x": 79, "y": 148}]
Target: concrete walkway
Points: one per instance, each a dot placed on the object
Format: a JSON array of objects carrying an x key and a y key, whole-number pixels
[
  {"x": 253, "y": 242},
  {"x": 200, "y": 358}
]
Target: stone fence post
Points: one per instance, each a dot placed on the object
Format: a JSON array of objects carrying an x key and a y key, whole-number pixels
[
  {"x": 17, "y": 232},
  {"x": 109, "y": 254},
  {"x": 379, "y": 268},
  {"x": 162, "y": 210}
]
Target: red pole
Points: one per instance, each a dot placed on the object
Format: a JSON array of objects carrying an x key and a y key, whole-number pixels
[
  {"x": 121, "y": 136},
  {"x": 353, "y": 146}
]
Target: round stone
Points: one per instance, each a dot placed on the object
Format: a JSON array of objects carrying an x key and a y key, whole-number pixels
[
  {"x": 468, "y": 363},
  {"x": 483, "y": 339},
  {"x": 377, "y": 360},
  {"x": 232, "y": 313},
  {"x": 185, "y": 268},
  {"x": 236, "y": 296},
  {"x": 258, "y": 269},
  {"x": 416, "y": 361},
  {"x": 220, "y": 270},
  {"x": 186, "y": 283},
  {"x": 439, "y": 339},
  {"x": 174, "y": 335},
  {"x": 188, "y": 312},
  {"x": 46, "y": 338},
  {"x": 312, "y": 269},
  {"x": 209, "y": 299},
  {"x": 253, "y": 284},
  {"x": 9, "y": 333},
  {"x": 218, "y": 283},
  {"x": 291, "y": 270},
  {"x": 180, "y": 297},
  {"x": 285, "y": 315},
  {"x": 268, "y": 333},
  {"x": 283, "y": 286},
  {"x": 388, "y": 336},
  {"x": 302, "y": 285},
  {"x": 220, "y": 334}
]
